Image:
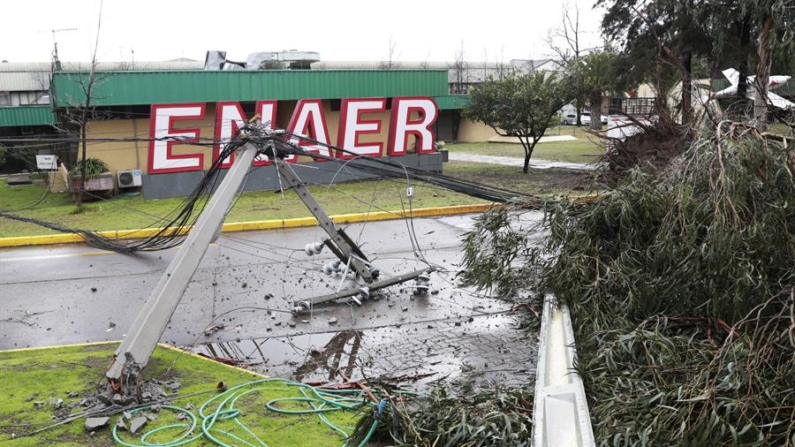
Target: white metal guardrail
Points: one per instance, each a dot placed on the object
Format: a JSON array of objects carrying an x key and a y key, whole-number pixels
[{"x": 561, "y": 417}]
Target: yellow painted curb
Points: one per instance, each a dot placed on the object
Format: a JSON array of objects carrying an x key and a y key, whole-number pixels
[{"x": 69, "y": 238}]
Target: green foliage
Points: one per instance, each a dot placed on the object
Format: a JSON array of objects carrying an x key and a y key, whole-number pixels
[
  {"x": 18, "y": 157},
  {"x": 682, "y": 292},
  {"x": 520, "y": 105},
  {"x": 93, "y": 167},
  {"x": 490, "y": 417}
]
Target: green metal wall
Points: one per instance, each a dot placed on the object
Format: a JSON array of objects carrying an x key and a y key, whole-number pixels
[
  {"x": 26, "y": 116},
  {"x": 451, "y": 102},
  {"x": 132, "y": 88}
]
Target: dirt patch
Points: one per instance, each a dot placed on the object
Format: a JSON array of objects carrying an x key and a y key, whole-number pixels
[{"x": 537, "y": 181}]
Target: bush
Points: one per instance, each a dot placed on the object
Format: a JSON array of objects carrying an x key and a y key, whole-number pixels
[{"x": 94, "y": 167}]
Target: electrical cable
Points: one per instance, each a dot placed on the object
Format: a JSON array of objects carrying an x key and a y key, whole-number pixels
[{"x": 171, "y": 232}]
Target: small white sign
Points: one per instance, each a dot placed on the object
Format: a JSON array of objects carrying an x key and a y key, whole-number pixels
[{"x": 47, "y": 162}]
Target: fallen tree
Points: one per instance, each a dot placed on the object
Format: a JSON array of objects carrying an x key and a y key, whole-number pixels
[{"x": 680, "y": 284}]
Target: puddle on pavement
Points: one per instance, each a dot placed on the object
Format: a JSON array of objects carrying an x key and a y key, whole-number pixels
[{"x": 486, "y": 348}]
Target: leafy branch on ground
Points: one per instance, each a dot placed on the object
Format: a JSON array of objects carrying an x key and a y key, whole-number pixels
[
  {"x": 681, "y": 288},
  {"x": 442, "y": 418}
]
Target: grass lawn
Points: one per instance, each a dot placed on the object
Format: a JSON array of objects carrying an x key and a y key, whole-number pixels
[
  {"x": 586, "y": 149},
  {"x": 134, "y": 212},
  {"x": 34, "y": 380}
]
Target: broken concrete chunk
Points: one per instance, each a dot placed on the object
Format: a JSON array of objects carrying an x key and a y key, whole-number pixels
[
  {"x": 120, "y": 425},
  {"x": 95, "y": 423},
  {"x": 137, "y": 424},
  {"x": 120, "y": 400},
  {"x": 333, "y": 321}
]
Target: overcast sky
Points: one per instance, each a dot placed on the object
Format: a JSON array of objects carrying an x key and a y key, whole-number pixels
[{"x": 343, "y": 30}]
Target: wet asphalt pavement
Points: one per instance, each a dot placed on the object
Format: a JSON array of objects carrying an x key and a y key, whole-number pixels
[{"x": 238, "y": 305}]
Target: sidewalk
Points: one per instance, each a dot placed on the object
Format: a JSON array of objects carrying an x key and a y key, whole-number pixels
[{"x": 535, "y": 163}]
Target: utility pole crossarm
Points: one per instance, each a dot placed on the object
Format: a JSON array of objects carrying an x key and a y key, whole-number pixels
[{"x": 339, "y": 242}]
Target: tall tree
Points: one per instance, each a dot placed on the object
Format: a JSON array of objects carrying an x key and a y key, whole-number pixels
[
  {"x": 774, "y": 19},
  {"x": 520, "y": 105},
  {"x": 759, "y": 38},
  {"x": 564, "y": 41},
  {"x": 595, "y": 71},
  {"x": 650, "y": 32}
]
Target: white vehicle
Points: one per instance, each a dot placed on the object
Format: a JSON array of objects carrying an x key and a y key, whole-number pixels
[
  {"x": 569, "y": 119},
  {"x": 585, "y": 118}
]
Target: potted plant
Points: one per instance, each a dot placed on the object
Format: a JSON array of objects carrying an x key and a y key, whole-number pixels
[{"x": 97, "y": 176}]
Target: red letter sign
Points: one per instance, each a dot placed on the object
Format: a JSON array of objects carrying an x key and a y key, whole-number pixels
[
  {"x": 308, "y": 114},
  {"x": 403, "y": 126},
  {"x": 352, "y": 126},
  {"x": 164, "y": 137},
  {"x": 267, "y": 113},
  {"x": 229, "y": 118}
]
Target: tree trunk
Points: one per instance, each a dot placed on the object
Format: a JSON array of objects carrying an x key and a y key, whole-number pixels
[
  {"x": 528, "y": 152},
  {"x": 745, "y": 44},
  {"x": 687, "y": 85},
  {"x": 763, "y": 72},
  {"x": 596, "y": 110},
  {"x": 82, "y": 188}
]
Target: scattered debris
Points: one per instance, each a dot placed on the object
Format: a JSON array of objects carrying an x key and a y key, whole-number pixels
[
  {"x": 137, "y": 424},
  {"x": 92, "y": 424},
  {"x": 213, "y": 329}
]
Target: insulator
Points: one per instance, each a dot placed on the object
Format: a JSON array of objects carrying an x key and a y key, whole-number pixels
[
  {"x": 364, "y": 293},
  {"x": 301, "y": 307},
  {"x": 317, "y": 247},
  {"x": 328, "y": 269}
]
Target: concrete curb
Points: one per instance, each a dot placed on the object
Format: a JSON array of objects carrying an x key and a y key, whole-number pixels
[{"x": 70, "y": 238}]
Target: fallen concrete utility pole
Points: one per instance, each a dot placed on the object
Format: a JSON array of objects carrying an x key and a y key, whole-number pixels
[
  {"x": 133, "y": 354},
  {"x": 135, "y": 350}
]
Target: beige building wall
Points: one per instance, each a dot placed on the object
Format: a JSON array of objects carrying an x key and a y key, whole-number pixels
[
  {"x": 474, "y": 132},
  {"x": 125, "y": 155}
]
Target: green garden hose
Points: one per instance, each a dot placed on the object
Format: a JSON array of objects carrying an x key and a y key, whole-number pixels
[{"x": 319, "y": 402}]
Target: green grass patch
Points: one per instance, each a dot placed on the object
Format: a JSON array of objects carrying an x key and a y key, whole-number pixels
[
  {"x": 586, "y": 149},
  {"x": 135, "y": 212},
  {"x": 32, "y": 379}
]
